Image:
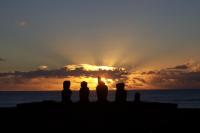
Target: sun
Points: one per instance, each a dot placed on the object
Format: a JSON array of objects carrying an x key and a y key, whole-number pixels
[
  {"x": 108, "y": 81},
  {"x": 103, "y": 79},
  {"x": 88, "y": 67}
]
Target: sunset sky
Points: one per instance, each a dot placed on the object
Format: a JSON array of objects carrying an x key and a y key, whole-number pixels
[{"x": 148, "y": 44}]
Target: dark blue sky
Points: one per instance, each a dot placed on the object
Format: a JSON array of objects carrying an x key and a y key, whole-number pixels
[{"x": 136, "y": 33}]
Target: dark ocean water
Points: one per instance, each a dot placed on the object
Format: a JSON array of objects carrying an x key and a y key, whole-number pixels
[{"x": 184, "y": 98}]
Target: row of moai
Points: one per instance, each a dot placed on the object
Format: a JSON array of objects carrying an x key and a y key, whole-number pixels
[{"x": 101, "y": 91}]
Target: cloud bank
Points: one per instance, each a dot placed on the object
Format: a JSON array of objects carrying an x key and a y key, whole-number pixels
[
  {"x": 183, "y": 76},
  {"x": 45, "y": 79}
]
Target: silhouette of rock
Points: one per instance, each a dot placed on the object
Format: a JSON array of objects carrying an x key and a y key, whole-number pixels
[
  {"x": 66, "y": 93},
  {"x": 84, "y": 92},
  {"x": 121, "y": 94},
  {"x": 102, "y": 91}
]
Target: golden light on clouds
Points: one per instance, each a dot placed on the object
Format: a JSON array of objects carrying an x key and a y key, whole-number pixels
[
  {"x": 88, "y": 67},
  {"x": 46, "y": 79},
  {"x": 137, "y": 80},
  {"x": 42, "y": 67},
  {"x": 181, "y": 76}
]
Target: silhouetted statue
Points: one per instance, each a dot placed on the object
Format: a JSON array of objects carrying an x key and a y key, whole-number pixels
[
  {"x": 84, "y": 92},
  {"x": 121, "y": 94},
  {"x": 102, "y": 91},
  {"x": 137, "y": 97},
  {"x": 66, "y": 93}
]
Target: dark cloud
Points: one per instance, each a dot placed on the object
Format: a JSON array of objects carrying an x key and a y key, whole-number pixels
[
  {"x": 181, "y": 67},
  {"x": 45, "y": 78},
  {"x": 140, "y": 80},
  {"x": 64, "y": 72},
  {"x": 149, "y": 72},
  {"x": 178, "y": 77},
  {"x": 176, "y": 80},
  {"x": 1, "y": 59}
]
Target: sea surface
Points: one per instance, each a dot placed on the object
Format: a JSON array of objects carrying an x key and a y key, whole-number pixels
[{"x": 184, "y": 98}]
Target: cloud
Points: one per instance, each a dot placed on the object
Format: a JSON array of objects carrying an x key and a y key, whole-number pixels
[
  {"x": 82, "y": 70},
  {"x": 2, "y": 60},
  {"x": 184, "y": 66},
  {"x": 44, "y": 78},
  {"x": 42, "y": 67},
  {"x": 23, "y": 23},
  {"x": 65, "y": 72},
  {"x": 179, "y": 77},
  {"x": 183, "y": 76}
]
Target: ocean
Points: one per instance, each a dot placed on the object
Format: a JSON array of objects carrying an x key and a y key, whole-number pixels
[{"x": 184, "y": 98}]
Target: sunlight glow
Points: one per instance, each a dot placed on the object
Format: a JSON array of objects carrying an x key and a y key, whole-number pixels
[
  {"x": 92, "y": 82},
  {"x": 88, "y": 67},
  {"x": 42, "y": 78}
]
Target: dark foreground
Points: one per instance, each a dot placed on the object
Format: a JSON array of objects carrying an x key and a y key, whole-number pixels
[{"x": 93, "y": 117}]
